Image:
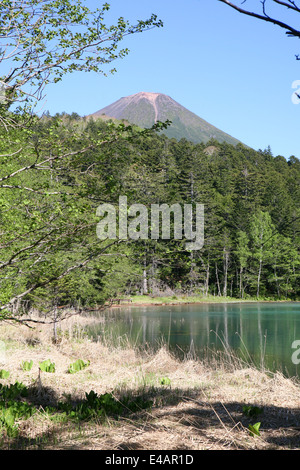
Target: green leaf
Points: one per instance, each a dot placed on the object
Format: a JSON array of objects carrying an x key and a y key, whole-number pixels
[
  {"x": 165, "y": 381},
  {"x": 252, "y": 411},
  {"x": 77, "y": 366},
  {"x": 47, "y": 366},
  {"x": 27, "y": 365},
  {"x": 254, "y": 429},
  {"x": 4, "y": 374},
  {"x": 8, "y": 417}
]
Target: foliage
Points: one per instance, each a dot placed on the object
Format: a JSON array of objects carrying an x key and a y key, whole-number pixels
[
  {"x": 56, "y": 171},
  {"x": 100, "y": 406},
  {"x": 43, "y": 40},
  {"x": 13, "y": 391},
  {"x": 47, "y": 208},
  {"x": 251, "y": 246},
  {"x": 13, "y": 411},
  {"x": 4, "y": 374},
  {"x": 47, "y": 366},
  {"x": 13, "y": 407},
  {"x": 27, "y": 365},
  {"x": 252, "y": 411},
  {"x": 254, "y": 429},
  {"x": 165, "y": 381},
  {"x": 77, "y": 366}
]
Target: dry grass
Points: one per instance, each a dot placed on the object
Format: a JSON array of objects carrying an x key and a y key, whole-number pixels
[{"x": 201, "y": 408}]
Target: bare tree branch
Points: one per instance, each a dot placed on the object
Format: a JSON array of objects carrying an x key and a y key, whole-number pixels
[
  {"x": 290, "y": 31},
  {"x": 50, "y": 159},
  {"x": 35, "y": 286},
  {"x": 290, "y": 5}
]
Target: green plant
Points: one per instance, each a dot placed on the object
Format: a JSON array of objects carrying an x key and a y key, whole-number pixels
[
  {"x": 252, "y": 411},
  {"x": 13, "y": 408},
  {"x": 27, "y": 365},
  {"x": 12, "y": 411},
  {"x": 254, "y": 429},
  {"x": 4, "y": 374},
  {"x": 100, "y": 406},
  {"x": 165, "y": 381},
  {"x": 77, "y": 366},
  {"x": 47, "y": 366},
  {"x": 12, "y": 391}
]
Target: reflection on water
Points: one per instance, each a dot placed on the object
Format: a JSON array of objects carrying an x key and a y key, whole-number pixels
[{"x": 262, "y": 332}]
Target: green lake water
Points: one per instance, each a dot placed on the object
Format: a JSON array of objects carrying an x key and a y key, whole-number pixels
[{"x": 260, "y": 333}]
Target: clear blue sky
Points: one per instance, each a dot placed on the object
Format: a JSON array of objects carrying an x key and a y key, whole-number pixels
[{"x": 234, "y": 71}]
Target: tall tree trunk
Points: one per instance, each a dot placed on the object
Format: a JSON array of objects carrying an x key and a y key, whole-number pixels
[
  {"x": 258, "y": 277},
  {"x": 241, "y": 282},
  {"x": 55, "y": 324},
  {"x": 218, "y": 283},
  {"x": 191, "y": 223},
  {"x": 207, "y": 279},
  {"x": 145, "y": 287},
  {"x": 145, "y": 282},
  {"x": 225, "y": 269},
  {"x": 276, "y": 280}
]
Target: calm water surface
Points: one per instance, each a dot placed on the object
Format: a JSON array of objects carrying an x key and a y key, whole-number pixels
[{"x": 258, "y": 332}]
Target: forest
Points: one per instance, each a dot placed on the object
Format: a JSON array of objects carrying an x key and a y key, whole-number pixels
[
  {"x": 61, "y": 389},
  {"x": 65, "y": 166},
  {"x": 55, "y": 171}
]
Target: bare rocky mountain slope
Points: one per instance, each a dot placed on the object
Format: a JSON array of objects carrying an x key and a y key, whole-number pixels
[{"x": 144, "y": 109}]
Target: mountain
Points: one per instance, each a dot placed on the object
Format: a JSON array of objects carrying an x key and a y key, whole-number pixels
[{"x": 144, "y": 109}]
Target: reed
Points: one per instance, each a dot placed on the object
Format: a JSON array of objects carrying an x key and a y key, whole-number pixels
[{"x": 195, "y": 403}]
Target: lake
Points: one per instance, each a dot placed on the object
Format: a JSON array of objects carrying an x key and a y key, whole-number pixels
[{"x": 259, "y": 332}]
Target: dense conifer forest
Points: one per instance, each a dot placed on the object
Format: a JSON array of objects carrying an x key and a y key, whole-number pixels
[{"x": 66, "y": 166}]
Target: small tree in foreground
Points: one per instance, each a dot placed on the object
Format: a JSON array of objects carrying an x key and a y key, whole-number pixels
[{"x": 47, "y": 209}]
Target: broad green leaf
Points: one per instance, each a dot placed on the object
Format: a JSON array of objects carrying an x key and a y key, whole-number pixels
[{"x": 254, "y": 429}]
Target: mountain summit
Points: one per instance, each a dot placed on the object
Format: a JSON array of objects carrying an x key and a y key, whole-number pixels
[{"x": 144, "y": 109}]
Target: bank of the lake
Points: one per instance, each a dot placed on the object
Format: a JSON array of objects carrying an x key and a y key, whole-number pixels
[
  {"x": 194, "y": 405},
  {"x": 144, "y": 300},
  {"x": 265, "y": 333}
]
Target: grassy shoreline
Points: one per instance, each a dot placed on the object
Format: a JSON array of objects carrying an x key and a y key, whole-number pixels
[
  {"x": 195, "y": 405},
  {"x": 147, "y": 300}
]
